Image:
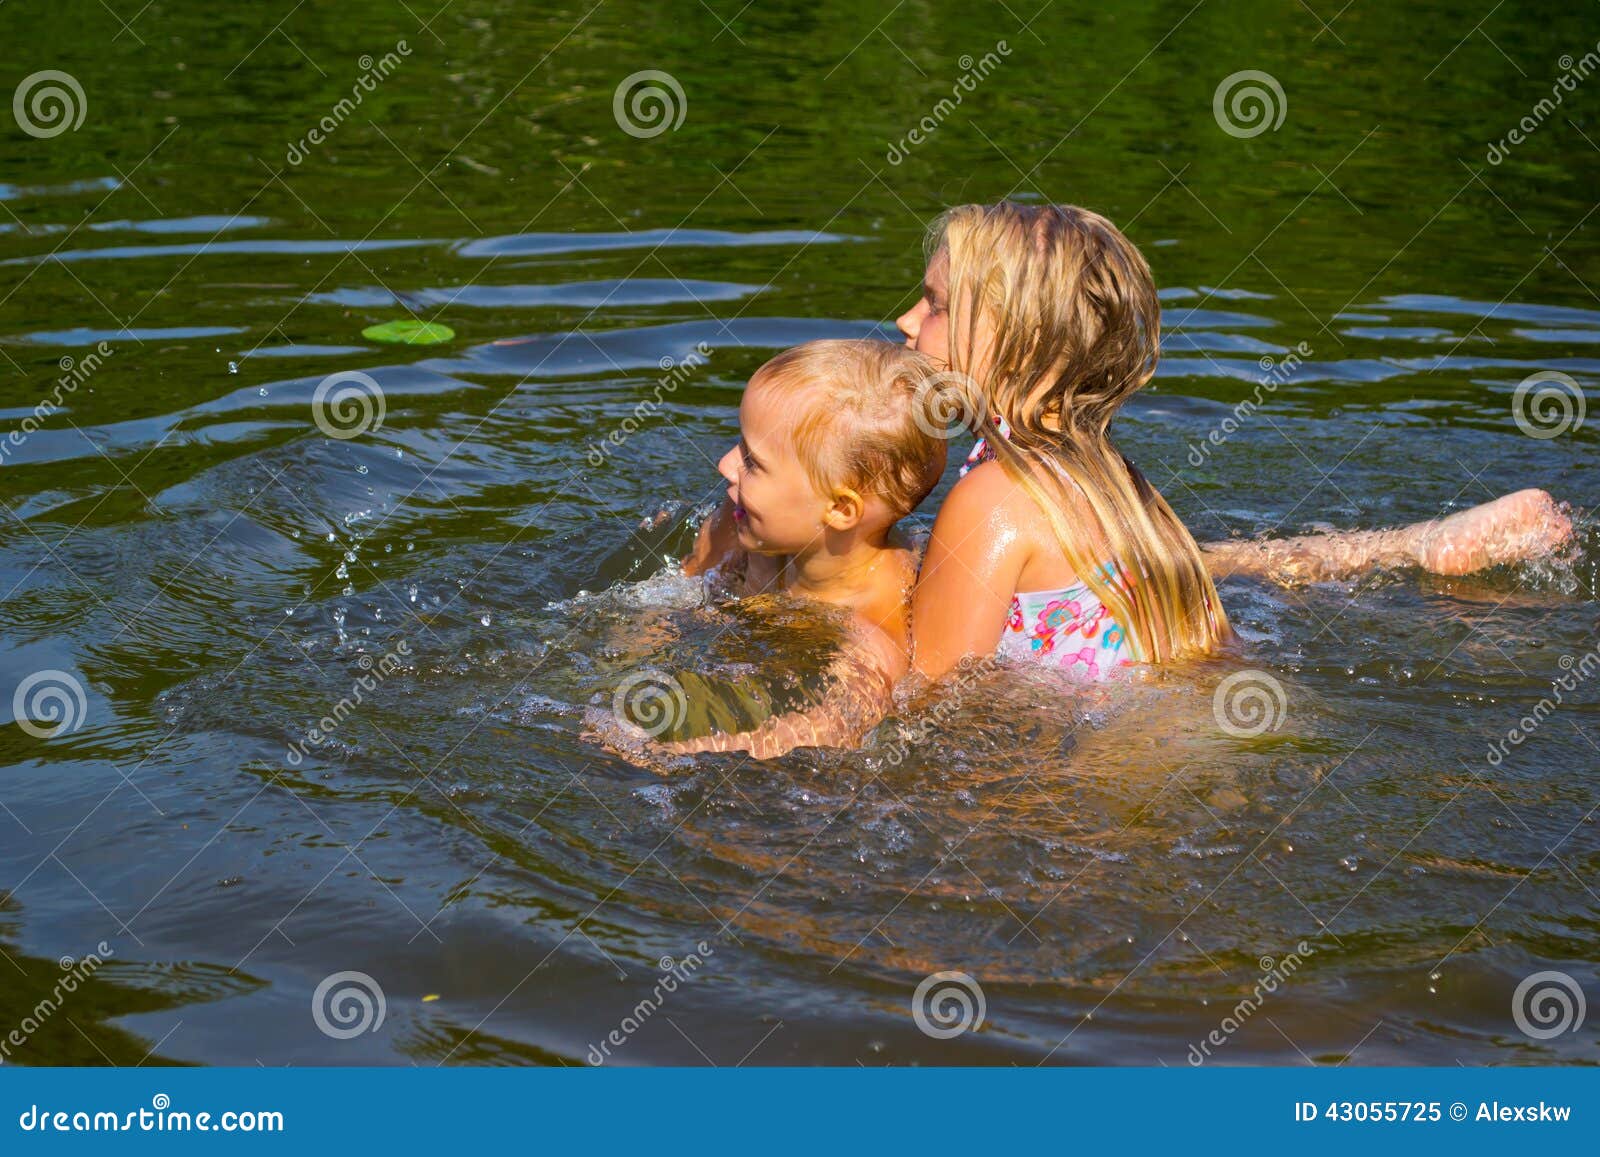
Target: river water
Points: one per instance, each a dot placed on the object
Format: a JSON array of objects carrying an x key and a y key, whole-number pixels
[{"x": 472, "y": 576}]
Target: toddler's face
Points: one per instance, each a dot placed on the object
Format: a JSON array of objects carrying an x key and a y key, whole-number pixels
[{"x": 776, "y": 506}]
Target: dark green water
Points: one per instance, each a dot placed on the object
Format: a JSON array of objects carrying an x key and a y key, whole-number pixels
[{"x": 185, "y": 544}]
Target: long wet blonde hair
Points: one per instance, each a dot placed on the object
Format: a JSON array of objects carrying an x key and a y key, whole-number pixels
[{"x": 1070, "y": 328}]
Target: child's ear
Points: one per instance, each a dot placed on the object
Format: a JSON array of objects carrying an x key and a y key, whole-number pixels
[{"x": 845, "y": 511}]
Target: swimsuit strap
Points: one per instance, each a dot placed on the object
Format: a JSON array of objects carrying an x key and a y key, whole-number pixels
[{"x": 980, "y": 452}]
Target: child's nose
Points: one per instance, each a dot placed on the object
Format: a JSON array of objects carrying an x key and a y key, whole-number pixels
[{"x": 729, "y": 465}]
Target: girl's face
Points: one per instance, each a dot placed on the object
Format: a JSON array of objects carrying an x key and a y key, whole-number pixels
[
  {"x": 927, "y": 323},
  {"x": 776, "y": 507}
]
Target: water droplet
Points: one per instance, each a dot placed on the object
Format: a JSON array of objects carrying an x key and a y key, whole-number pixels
[
  {"x": 262, "y": 391},
  {"x": 233, "y": 367},
  {"x": 1349, "y": 863},
  {"x": 388, "y": 547},
  {"x": 361, "y": 469},
  {"x": 484, "y": 620}
]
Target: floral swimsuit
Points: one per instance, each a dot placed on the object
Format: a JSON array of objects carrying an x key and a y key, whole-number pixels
[{"x": 1069, "y": 629}]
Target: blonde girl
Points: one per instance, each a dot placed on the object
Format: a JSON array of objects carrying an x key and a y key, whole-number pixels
[{"x": 1054, "y": 546}]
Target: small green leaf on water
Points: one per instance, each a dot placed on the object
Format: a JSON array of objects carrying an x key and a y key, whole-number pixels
[{"x": 409, "y": 332}]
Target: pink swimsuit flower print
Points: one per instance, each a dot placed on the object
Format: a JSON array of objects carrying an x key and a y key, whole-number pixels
[
  {"x": 1090, "y": 624},
  {"x": 1059, "y": 615},
  {"x": 1088, "y": 656}
]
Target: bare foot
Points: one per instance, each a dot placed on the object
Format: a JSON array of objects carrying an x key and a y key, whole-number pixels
[{"x": 1524, "y": 525}]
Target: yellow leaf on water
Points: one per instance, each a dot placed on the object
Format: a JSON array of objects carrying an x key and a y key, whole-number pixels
[{"x": 430, "y": 996}]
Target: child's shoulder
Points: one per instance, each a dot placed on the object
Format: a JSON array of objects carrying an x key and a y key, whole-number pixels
[
  {"x": 987, "y": 477},
  {"x": 986, "y": 494}
]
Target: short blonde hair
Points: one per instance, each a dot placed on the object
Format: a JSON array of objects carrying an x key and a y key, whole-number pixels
[{"x": 861, "y": 420}]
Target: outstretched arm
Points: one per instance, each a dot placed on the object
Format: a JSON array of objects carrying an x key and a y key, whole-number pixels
[
  {"x": 1524, "y": 525},
  {"x": 859, "y": 687}
]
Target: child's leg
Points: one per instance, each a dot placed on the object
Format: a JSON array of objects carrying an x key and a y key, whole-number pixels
[
  {"x": 1524, "y": 525},
  {"x": 1519, "y": 526}
]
